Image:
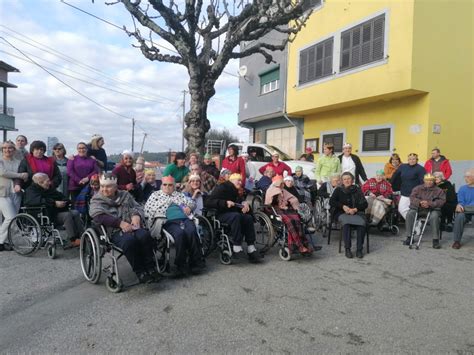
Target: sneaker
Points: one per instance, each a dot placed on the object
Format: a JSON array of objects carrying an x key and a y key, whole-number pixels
[
  {"x": 407, "y": 241},
  {"x": 254, "y": 257},
  {"x": 359, "y": 254},
  {"x": 349, "y": 254},
  {"x": 456, "y": 245}
]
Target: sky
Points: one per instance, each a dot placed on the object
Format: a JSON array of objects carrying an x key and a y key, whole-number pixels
[{"x": 87, "y": 53}]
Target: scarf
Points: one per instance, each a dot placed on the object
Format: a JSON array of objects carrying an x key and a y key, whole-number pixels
[{"x": 122, "y": 206}]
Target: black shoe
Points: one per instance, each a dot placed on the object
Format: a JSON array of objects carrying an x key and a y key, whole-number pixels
[
  {"x": 144, "y": 277},
  {"x": 155, "y": 275},
  {"x": 436, "y": 244},
  {"x": 349, "y": 254},
  {"x": 2, "y": 247},
  {"x": 254, "y": 257},
  {"x": 197, "y": 268},
  {"x": 179, "y": 272},
  {"x": 359, "y": 254},
  {"x": 317, "y": 247},
  {"x": 407, "y": 241},
  {"x": 238, "y": 254}
]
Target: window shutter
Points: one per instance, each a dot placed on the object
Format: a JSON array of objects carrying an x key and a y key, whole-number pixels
[
  {"x": 269, "y": 76},
  {"x": 335, "y": 139},
  {"x": 376, "y": 140},
  {"x": 316, "y": 61},
  {"x": 303, "y": 66}
]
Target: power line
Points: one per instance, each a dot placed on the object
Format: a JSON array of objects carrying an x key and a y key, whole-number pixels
[
  {"x": 73, "y": 61},
  {"x": 86, "y": 81},
  {"x": 122, "y": 29},
  {"x": 66, "y": 84}
]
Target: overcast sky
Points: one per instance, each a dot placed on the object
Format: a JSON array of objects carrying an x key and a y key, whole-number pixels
[{"x": 101, "y": 54}]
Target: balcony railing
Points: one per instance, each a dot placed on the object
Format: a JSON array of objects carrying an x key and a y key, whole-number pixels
[{"x": 10, "y": 110}]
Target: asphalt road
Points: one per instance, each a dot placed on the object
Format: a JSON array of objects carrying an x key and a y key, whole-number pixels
[{"x": 394, "y": 300}]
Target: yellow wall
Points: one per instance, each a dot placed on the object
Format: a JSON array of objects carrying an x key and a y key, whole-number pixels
[
  {"x": 443, "y": 65},
  {"x": 395, "y": 76},
  {"x": 402, "y": 113}
]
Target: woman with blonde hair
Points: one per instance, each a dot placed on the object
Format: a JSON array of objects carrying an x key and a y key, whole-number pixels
[{"x": 96, "y": 151}]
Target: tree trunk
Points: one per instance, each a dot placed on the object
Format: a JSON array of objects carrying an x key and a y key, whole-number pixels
[{"x": 197, "y": 124}]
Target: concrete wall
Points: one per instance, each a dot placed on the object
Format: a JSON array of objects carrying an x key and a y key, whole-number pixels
[{"x": 252, "y": 104}]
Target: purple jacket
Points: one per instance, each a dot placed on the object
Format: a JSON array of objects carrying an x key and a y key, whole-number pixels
[{"x": 79, "y": 168}]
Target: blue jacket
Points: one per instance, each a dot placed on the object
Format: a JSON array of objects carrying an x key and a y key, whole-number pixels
[{"x": 407, "y": 177}]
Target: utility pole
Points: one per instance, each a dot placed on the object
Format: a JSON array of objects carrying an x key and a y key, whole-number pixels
[
  {"x": 143, "y": 142},
  {"x": 184, "y": 112},
  {"x": 133, "y": 134}
]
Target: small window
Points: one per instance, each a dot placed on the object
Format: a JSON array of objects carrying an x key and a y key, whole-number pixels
[
  {"x": 270, "y": 81},
  {"x": 335, "y": 139},
  {"x": 316, "y": 61},
  {"x": 376, "y": 140},
  {"x": 311, "y": 4},
  {"x": 363, "y": 44}
]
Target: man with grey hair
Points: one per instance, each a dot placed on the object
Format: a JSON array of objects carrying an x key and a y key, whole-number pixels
[
  {"x": 465, "y": 207},
  {"x": 41, "y": 193}
]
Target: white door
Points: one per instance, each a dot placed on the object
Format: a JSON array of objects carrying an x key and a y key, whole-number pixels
[{"x": 284, "y": 139}]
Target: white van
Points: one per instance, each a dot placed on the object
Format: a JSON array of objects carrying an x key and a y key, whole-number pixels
[{"x": 264, "y": 156}]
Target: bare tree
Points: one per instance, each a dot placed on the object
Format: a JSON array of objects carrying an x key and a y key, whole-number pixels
[{"x": 205, "y": 41}]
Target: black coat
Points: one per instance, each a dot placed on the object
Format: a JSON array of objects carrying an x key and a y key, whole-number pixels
[
  {"x": 359, "y": 168},
  {"x": 36, "y": 196},
  {"x": 451, "y": 197},
  {"x": 351, "y": 197},
  {"x": 220, "y": 195},
  {"x": 211, "y": 169}
]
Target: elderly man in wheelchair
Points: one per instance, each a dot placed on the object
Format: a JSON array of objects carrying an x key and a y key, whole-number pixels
[
  {"x": 123, "y": 219},
  {"x": 171, "y": 211},
  {"x": 41, "y": 194},
  {"x": 286, "y": 206}
]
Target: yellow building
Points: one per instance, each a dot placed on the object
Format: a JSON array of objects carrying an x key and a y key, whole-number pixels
[{"x": 387, "y": 76}]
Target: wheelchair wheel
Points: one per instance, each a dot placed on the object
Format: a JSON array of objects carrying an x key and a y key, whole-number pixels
[
  {"x": 284, "y": 254},
  {"x": 394, "y": 230},
  {"x": 90, "y": 255},
  {"x": 206, "y": 233},
  {"x": 225, "y": 257},
  {"x": 264, "y": 233},
  {"x": 257, "y": 203},
  {"x": 52, "y": 251},
  {"x": 318, "y": 215},
  {"x": 24, "y": 234},
  {"x": 112, "y": 285}
]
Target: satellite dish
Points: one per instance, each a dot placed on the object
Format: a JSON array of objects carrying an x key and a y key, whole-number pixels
[{"x": 243, "y": 71}]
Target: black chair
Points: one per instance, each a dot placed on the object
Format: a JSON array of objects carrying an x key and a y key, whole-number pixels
[{"x": 341, "y": 237}]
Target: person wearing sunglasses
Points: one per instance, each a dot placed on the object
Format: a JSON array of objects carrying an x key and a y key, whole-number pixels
[
  {"x": 172, "y": 210},
  {"x": 37, "y": 162}
]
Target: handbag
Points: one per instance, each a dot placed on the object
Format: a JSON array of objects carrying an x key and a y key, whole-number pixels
[{"x": 353, "y": 219}]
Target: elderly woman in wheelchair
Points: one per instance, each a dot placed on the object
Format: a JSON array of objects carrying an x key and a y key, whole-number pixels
[
  {"x": 123, "y": 219},
  {"x": 286, "y": 206},
  {"x": 170, "y": 211}
]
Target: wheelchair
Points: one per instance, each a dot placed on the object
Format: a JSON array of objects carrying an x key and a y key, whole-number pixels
[
  {"x": 389, "y": 222},
  {"x": 322, "y": 216},
  {"x": 222, "y": 241},
  {"x": 280, "y": 232},
  {"x": 31, "y": 230}
]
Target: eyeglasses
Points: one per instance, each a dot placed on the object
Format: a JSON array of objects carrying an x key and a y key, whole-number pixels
[
  {"x": 166, "y": 184},
  {"x": 195, "y": 181},
  {"x": 81, "y": 148},
  {"x": 58, "y": 148},
  {"x": 8, "y": 148}
]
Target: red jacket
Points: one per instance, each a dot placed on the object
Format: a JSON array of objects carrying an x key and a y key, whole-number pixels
[
  {"x": 236, "y": 166},
  {"x": 279, "y": 169},
  {"x": 445, "y": 167},
  {"x": 377, "y": 188}
]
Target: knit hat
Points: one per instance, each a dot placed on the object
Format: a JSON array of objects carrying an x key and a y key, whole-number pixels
[
  {"x": 380, "y": 172},
  {"x": 225, "y": 172},
  {"x": 127, "y": 153},
  {"x": 299, "y": 168},
  {"x": 289, "y": 178},
  {"x": 207, "y": 156},
  {"x": 235, "y": 177},
  {"x": 277, "y": 180},
  {"x": 167, "y": 179}
]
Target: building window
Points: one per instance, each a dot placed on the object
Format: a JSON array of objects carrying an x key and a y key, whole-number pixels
[
  {"x": 311, "y": 4},
  {"x": 334, "y": 138},
  {"x": 312, "y": 143},
  {"x": 316, "y": 61},
  {"x": 376, "y": 140},
  {"x": 270, "y": 81},
  {"x": 363, "y": 43}
]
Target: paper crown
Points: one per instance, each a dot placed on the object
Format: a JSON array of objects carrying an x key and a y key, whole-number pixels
[
  {"x": 108, "y": 179},
  {"x": 277, "y": 178},
  {"x": 235, "y": 177},
  {"x": 429, "y": 177},
  {"x": 347, "y": 145}
]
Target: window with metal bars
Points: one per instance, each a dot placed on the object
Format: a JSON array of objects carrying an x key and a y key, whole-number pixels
[
  {"x": 310, "y": 4},
  {"x": 316, "y": 61},
  {"x": 334, "y": 139},
  {"x": 363, "y": 43},
  {"x": 376, "y": 140}
]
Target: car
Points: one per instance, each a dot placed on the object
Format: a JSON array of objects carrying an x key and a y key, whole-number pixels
[{"x": 264, "y": 156}]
